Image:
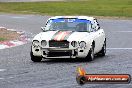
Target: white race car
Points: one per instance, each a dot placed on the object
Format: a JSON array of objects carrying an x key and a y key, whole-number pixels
[{"x": 69, "y": 37}]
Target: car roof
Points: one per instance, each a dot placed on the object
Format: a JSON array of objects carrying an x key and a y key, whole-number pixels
[{"x": 78, "y": 17}]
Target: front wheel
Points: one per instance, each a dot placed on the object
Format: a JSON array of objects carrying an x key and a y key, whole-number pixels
[
  {"x": 90, "y": 55},
  {"x": 35, "y": 58},
  {"x": 103, "y": 50}
]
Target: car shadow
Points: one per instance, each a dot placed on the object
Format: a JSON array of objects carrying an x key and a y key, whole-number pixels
[
  {"x": 64, "y": 60},
  {"x": 71, "y": 60}
]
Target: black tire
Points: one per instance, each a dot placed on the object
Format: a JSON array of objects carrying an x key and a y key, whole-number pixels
[
  {"x": 103, "y": 51},
  {"x": 35, "y": 58},
  {"x": 90, "y": 56}
]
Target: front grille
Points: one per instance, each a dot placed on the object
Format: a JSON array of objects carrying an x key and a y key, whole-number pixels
[{"x": 59, "y": 44}]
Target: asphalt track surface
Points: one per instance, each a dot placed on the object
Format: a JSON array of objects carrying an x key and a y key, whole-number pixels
[{"x": 18, "y": 71}]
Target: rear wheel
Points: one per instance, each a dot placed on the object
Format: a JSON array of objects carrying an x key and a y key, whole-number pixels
[
  {"x": 35, "y": 58},
  {"x": 90, "y": 55}
]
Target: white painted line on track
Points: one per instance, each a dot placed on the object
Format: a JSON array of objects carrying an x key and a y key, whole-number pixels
[
  {"x": 1, "y": 70},
  {"x": 119, "y": 48},
  {"x": 10, "y": 77},
  {"x": 125, "y": 31},
  {"x": 18, "y": 17},
  {"x": 1, "y": 78}
]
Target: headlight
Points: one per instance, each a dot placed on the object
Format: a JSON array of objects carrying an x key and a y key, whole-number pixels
[
  {"x": 82, "y": 44},
  {"x": 43, "y": 43},
  {"x": 35, "y": 43},
  {"x": 74, "y": 43}
]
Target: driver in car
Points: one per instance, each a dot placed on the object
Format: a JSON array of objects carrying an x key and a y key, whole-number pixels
[{"x": 81, "y": 27}]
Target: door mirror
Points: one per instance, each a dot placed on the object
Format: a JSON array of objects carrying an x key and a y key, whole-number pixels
[{"x": 43, "y": 28}]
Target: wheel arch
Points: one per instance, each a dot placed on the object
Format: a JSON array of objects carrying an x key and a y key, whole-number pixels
[
  {"x": 105, "y": 40},
  {"x": 93, "y": 43}
]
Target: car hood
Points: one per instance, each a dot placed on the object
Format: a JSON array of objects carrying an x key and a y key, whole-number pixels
[{"x": 61, "y": 35}]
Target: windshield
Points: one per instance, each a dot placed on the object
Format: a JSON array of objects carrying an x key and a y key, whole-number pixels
[{"x": 65, "y": 24}]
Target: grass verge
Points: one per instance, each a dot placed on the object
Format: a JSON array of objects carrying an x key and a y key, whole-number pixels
[
  {"x": 119, "y": 8},
  {"x": 2, "y": 39}
]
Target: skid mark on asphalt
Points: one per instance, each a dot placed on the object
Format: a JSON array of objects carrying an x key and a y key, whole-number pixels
[
  {"x": 3, "y": 70},
  {"x": 119, "y": 48}
]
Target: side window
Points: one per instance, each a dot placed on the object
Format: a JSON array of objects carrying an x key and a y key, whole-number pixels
[
  {"x": 89, "y": 27},
  {"x": 92, "y": 28}
]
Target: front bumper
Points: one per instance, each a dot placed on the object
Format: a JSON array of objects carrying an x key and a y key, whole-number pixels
[
  {"x": 54, "y": 52},
  {"x": 59, "y": 53}
]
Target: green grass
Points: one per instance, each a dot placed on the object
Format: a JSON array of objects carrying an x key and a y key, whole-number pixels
[
  {"x": 2, "y": 39},
  {"x": 120, "y": 8}
]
